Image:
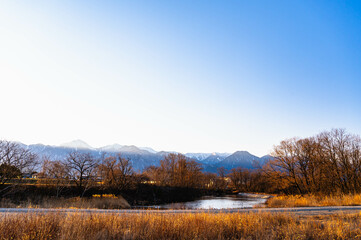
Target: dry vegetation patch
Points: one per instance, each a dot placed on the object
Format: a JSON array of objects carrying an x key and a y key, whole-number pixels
[
  {"x": 178, "y": 226},
  {"x": 105, "y": 201},
  {"x": 314, "y": 200}
]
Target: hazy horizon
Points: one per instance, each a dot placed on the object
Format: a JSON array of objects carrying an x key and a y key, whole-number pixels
[{"x": 181, "y": 76}]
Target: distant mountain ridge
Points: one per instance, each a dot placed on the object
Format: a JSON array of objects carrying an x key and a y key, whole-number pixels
[{"x": 143, "y": 157}]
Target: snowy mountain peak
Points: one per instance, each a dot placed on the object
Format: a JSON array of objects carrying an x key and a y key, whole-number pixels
[
  {"x": 130, "y": 148},
  {"x": 77, "y": 144},
  {"x": 151, "y": 150},
  {"x": 112, "y": 148},
  {"x": 198, "y": 156}
]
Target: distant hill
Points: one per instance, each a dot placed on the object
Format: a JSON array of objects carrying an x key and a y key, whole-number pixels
[
  {"x": 215, "y": 158},
  {"x": 142, "y": 158},
  {"x": 239, "y": 159},
  {"x": 77, "y": 144},
  {"x": 208, "y": 158},
  {"x": 266, "y": 158},
  {"x": 198, "y": 156}
]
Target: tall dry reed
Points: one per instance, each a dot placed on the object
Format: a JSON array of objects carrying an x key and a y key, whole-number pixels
[
  {"x": 314, "y": 200},
  {"x": 75, "y": 202},
  {"x": 178, "y": 226}
]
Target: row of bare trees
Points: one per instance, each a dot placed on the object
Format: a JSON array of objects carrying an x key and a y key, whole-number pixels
[
  {"x": 246, "y": 180},
  {"x": 329, "y": 162},
  {"x": 85, "y": 171},
  {"x": 112, "y": 172},
  {"x": 175, "y": 170},
  {"x": 326, "y": 163}
]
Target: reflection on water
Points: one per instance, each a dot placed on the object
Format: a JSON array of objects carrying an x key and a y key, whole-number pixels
[{"x": 231, "y": 201}]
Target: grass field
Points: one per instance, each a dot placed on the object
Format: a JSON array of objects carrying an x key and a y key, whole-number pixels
[
  {"x": 179, "y": 226},
  {"x": 314, "y": 200}
]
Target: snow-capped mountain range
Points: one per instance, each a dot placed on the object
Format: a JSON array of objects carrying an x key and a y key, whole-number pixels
[{"x": 143, "y": 157}]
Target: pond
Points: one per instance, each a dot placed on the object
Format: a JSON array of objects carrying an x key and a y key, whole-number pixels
[{"x": 211, "y": 202}]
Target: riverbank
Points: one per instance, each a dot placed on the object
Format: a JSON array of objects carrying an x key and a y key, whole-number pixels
[
  {"x": 255, "y": 195},
  {"x": 33, "y": 196},
  {"x": 148, "y": 195}
]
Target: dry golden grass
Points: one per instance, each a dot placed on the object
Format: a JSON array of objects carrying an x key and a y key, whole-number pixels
[
  {"x": 98, "y": 202},
  {"x": 314, "y": 200},
  {"x": 178, "y": 226}
]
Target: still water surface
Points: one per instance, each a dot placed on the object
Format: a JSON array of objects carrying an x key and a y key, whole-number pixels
[{"x": 224, "y": 202}]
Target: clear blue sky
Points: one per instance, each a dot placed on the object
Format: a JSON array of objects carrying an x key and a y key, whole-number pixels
[{"x": 189, "y": 76}]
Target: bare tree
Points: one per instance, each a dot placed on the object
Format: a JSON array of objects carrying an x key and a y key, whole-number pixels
[
  {"x": 80, "y": 169},
  {"x": 177, "y": 171},
  {"x": 117, "y": 172},
  {"x": 241, "y": 179},
  {"x": 14, "y": 154},
  {"x": 341, "y": 153},
  {"x": 15, "y": 160},
  {"x": 222, "y": 174},
  {"x": 153, "y": 174},
  {"x": 54, "y": 173},
  {"x": 194, "y": 174}
]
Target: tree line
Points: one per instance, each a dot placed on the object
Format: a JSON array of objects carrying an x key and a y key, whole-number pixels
[{"x": 327, "y": 163}]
